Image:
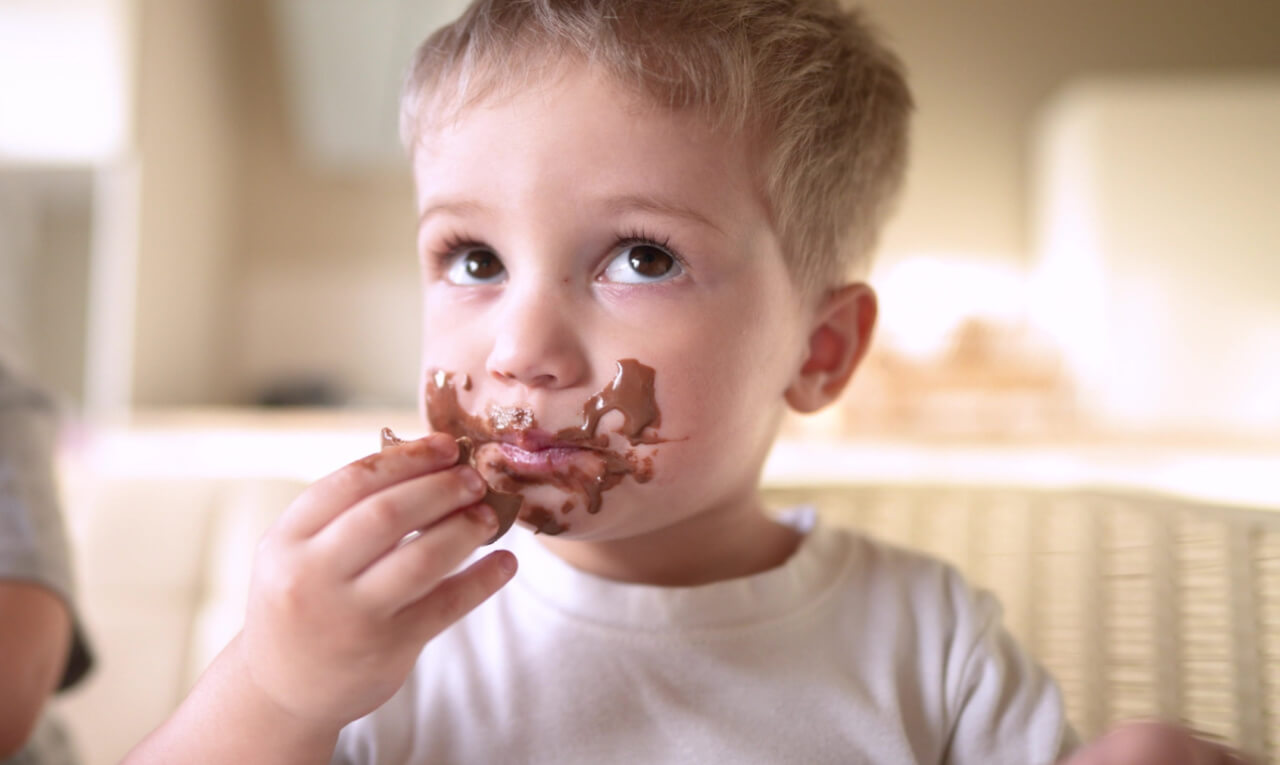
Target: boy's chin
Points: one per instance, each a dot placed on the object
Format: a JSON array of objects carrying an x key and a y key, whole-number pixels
[
  {"x": 548, "y": 510},
  {"x": 553, "y": 512}
]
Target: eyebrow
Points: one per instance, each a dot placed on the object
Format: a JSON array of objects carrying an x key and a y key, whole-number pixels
[
  {"x": 451, "y": 206},
  {"x": 616, "y": 204},
  {"x": 648, "y": 203}
]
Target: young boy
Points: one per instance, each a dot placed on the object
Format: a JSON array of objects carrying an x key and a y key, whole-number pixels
[{"x": 638, "y": 222}]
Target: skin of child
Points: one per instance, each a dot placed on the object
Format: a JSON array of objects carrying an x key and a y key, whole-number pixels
[{"x": 562, "y": 228}]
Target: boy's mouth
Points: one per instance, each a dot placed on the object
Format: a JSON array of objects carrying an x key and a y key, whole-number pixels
[
  {"x": 545, "y": 460},
  {"x": 536, "y": 440},
  {"x": 518, "y": 455}
]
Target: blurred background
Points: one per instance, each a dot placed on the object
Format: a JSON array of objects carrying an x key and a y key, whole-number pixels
[
  {"x": 206, "y": 247},
  {"x": 204, "y": 207},
  {"x": 204, "y": 203}
]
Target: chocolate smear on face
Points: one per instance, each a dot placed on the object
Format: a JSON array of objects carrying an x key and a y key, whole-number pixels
[
  {"x": 543, "y": 522},
  {"x": 589, "y": 485},
  {"x": 631, "y": 393},
  {"x": 446, "y": 415},
  {"x": 505, "y": 506}
]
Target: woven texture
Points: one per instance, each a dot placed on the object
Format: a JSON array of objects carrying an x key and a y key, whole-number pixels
[{"x": 1141, "y": 606}]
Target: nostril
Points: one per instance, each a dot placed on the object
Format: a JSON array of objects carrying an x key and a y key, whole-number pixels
[{"x": 533, "y": 380}]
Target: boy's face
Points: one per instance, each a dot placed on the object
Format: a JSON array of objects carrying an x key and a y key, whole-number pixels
[{"x": 571, "y": 226}]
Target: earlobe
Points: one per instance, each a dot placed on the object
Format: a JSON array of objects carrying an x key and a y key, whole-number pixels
[{"x": 838, "y": 341}]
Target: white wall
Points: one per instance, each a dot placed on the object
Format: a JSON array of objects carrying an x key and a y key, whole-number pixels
[
  {"x": 982, "y": 70},
  {"x": 1159, "y": 262},
  {"x": 44, "y": 266}
]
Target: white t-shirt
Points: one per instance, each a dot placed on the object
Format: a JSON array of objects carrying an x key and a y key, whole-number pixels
[{"x": 853, "y": 651}]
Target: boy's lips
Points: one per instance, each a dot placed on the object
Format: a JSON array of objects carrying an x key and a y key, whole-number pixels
[
  {"x": 531, "y": 457},
  {"x": 532, "y": 439}
]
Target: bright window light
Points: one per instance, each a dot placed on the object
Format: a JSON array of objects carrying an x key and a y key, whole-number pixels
[
  {"x": 63, "y": 81},
  {"x": 924, "y": 298}
]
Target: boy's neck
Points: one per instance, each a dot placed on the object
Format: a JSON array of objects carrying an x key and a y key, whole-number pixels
[{"x": 721, "y": 543}]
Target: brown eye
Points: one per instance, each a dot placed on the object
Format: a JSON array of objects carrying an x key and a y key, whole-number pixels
[
  {"x": 477, "y": 266},
  {"x": 482, "y": 264},
  {"x": 650, "y": 262},
  {"x": 642, "y": 263}
]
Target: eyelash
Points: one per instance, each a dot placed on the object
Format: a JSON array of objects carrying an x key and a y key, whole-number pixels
[{"x": 455, "y": 242}]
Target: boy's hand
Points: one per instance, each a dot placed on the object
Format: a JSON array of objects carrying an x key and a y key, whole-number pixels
[
  {"x": 340, "y": 606},
  {"x": 1154, "y": 743}
]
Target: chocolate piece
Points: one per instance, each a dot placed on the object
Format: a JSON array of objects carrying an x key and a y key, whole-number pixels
[
  {"x": 505, "y": 506},
  {"x": 631, "y": 393}
]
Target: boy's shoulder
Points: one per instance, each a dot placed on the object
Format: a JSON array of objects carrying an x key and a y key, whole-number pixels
[{"x": 902, "y": 578}]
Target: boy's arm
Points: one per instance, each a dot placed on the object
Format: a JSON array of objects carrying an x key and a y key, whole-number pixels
[
  {"x": 340, "y": 606},
  {"x": 226, "y": 719},
  {"x": 35, "y": 620}
]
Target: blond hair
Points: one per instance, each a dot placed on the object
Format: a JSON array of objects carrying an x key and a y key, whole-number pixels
[{"x": 827, "y": 103}]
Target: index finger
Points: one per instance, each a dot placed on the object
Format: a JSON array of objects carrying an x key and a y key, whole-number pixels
[{"x": 330, "y": 496}]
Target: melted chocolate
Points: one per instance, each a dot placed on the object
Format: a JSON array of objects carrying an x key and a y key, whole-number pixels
[
  {"x": 543, "y": 522},
  {"x": 631, "y": 393},
  {"x": 590, "y": 485}
]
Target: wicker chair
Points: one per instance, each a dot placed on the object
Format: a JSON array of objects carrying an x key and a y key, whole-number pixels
[{"x": 1140, "y": 605}]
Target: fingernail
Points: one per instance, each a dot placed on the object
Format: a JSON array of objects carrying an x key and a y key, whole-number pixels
[
  {"x": 507, "y": 563},
  {"x": 440, "y": 443},
  {"x": 430, "y": 447},
  {"x": 472, "y": 479},
  {"x": 483, "y": 515}
]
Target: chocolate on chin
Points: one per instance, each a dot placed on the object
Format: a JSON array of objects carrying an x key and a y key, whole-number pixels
[{"x": 505, "y": 506}]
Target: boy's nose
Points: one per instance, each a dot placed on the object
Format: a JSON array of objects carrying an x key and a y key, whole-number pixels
[{"x": 536, "y": 345}]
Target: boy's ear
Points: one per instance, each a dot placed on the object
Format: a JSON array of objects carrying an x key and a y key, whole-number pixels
[{"x": 838, "y": 340}]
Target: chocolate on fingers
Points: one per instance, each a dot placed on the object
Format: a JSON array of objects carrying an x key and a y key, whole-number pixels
[{"x": 505, "y": 506}]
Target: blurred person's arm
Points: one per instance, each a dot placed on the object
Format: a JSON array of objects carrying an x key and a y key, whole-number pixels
[
  {"x": 35, "y": 637},
  {"x": 36, "y": 626}
]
